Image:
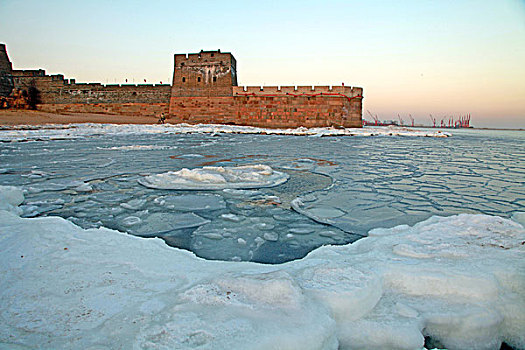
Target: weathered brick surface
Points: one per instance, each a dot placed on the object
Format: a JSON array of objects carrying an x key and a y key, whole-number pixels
[
  {"x": 131, "y": 109},
  {"x": 55, "y": 89},
  {"x": 204, "y": 90},
  {"x": 204, "y": 74},
  {"x": 268, "y": 111},
  {"x": 6, "y": 70}
]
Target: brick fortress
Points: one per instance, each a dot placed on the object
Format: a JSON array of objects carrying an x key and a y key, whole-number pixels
[{"x": 204, "y": 90}]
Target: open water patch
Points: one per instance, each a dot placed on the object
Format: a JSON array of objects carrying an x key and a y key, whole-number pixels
[{"x": 235, "y": 224}]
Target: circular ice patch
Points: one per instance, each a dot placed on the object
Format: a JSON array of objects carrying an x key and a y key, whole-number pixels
[{"x": 216, "y": 178}]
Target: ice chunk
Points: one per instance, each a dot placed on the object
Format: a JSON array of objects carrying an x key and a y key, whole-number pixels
[
  {"x": 241, "y": 193},
  {"x": 231, "y": 217},
  {"x": 10, "y": 198},
  {"x": 193, "y": 202},
  {"x": 11, "y": 195},
  {"x": 271, "y": 236},
  {"x": 58, "y": 185},
  {"x": 158, "y": 223},
  {"x": 84, "y": 187},
  {"x": 519, "y": 217},
  {"x": 348, "y": 292},
  {"x": 302, "y": 229},
  {"x": 135, "y": 148},
  {"x": 134, "y": 204},
  {"x": 320, "y": 214},
  {"x": 191, "y": 155},
  {"x": 131, "y": 220},
  {"x": 216, "y": 178},
  {"x": 111, "y": 197}
]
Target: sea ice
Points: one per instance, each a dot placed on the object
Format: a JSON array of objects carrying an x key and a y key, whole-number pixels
[
  {"x": 320, "y": 214},
  {"x": 519, "y": 217},
  {"x": 193, "y": 202},
  {"x": 84, "y": 187},
  {"x": 157, "y": 224},
  {"x": 458, "y": 280},
  {"x": 134, "y": 204},
  {"x": 216, "y": 178},
  {"x": 10, "y": 198},
  {"x": 76, "y": 131}
]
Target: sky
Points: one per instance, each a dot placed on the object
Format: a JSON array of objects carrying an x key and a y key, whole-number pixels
[{"x": 418, "y": 57}]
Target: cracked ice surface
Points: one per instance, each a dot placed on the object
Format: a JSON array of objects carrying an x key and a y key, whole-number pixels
[
  {"x": 338, "y": 188},
  {"x": 459, "y": 280}
]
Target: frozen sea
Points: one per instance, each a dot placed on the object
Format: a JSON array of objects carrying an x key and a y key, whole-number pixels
[
  {"x": 338, "y": 188},
  {"x": 441, "y": 264}
]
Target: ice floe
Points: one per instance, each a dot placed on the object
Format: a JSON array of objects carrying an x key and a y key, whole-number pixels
[
  {"x": 161, "y": 223},
  {"x": 321, "y": 214},
  {"x": 192, "y": 202},
  {"x": 135, "y": 148},
  {"x": 459, "y": 281},
  {"x": 216, "y": 178}
]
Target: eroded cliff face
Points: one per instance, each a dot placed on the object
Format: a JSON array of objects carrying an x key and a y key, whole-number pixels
[{"x": 6, "y": 70}]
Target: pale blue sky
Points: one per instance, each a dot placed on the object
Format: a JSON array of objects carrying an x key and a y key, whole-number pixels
[{"x": 419, "y": 57}]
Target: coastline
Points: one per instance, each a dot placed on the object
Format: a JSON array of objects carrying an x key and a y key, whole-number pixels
[{"x": 9, "y": 117}]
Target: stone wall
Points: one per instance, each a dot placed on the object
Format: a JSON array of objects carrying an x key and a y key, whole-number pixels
[
  {"x": 6, "y": 80},
  {"x": 268, "y": 111},
  {"x": 204, "y": 90},
  {"x": 54, "y": 89},
  {"x": 129, "y": 109}
]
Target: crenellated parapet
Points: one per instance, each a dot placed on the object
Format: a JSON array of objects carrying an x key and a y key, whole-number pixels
[
  {"x": 297, "y": 90},
  {"x": 205, "y": 91}
]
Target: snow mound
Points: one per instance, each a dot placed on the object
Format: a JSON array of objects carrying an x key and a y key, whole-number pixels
[
  {"x": 216, "y": 178},
  {"x": 10, "y": 198},
  {"x": 459, "y": 280}
]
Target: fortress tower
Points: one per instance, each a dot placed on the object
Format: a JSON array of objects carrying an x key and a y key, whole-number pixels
[
  {"x": 6, "y": 73},
  {"x": 204, "y": 90},
  {"x": 204, "y": 74}
]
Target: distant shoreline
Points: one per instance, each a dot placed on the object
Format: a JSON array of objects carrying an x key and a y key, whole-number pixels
[{"x": 32, "y": 117}]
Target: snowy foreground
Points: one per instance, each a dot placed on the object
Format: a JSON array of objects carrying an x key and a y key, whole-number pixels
[
  {"x": 72, "y": 131},
  {"x": 459, "y": 280}
]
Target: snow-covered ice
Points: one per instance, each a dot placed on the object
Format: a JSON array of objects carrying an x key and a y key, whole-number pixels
[
  {"x": 459, "y": 280},
  {"x": 348, "y": 185},
  {"x": 72, "y": 131},
  {"x": 216, "y": 178},
  {"x": 10, "y": 198}
]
